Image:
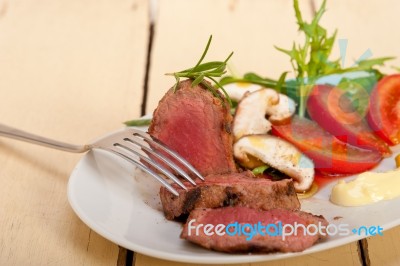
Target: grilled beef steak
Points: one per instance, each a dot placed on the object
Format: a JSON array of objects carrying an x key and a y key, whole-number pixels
[
  {"x": 197, "y": 125},
  {"x": 236, "y": 189},
  {"x": 251, "y": 240}
]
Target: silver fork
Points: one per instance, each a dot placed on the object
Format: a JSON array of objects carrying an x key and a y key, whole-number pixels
[{"x": 128, "y": 144}]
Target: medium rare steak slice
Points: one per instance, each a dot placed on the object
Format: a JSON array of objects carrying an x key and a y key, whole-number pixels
[
  {"x": 236, "y": 189},
  {"x": 201, "y": 229},
  {"x": 197, "y": 125}
]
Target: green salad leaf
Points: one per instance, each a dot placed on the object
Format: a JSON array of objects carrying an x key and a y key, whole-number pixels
[
  {"x": 310, "y": 61},
  {"x": 260, "y": 169}
]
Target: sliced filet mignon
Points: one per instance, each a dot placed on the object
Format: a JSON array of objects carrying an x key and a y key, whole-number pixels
[
  {"x": 197, "y": 125},
  {"x": 258, "y": 243},
  {"x": 236, "y": 189}
]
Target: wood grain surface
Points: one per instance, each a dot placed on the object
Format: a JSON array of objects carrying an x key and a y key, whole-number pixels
[
  {"x": 70, "y": 70},
  {"x": 74, "y": 70},
  {"x": 348, "y": 255}
]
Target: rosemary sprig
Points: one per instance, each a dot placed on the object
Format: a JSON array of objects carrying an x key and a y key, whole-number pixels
[{"x": 202, "y": 71}]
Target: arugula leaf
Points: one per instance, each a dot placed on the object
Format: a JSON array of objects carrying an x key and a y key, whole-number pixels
[
  {"x": 396, "y": 68},
  {"x": 252, "y": 78},
  {"x": 310, "y": 61},
  {"x": 358, "y": 90},
  {"x": 369, "y": 63},
  {"x": 281, "y": 82}
]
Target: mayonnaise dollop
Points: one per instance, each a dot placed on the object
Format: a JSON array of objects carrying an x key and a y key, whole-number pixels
[{"x": 367, "y": 188}]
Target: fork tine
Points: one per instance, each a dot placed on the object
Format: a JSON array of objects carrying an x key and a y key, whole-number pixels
[
  {"x": 163, "y": 158},
  {"x": 152, "y": 163},
  {"x": 161, "y": 146},
  {"x": 147, "y": 170}
]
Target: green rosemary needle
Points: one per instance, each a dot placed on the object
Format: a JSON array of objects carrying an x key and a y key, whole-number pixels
[{"x": 203, "y": 71}]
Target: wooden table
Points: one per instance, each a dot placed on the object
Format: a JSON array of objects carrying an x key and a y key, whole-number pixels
[{"x": 73, "y": 70}]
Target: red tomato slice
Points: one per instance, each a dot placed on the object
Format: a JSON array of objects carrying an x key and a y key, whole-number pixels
[
  {"x": 330, "y": 155},
  {"x": 333, "y": 111},
  {"x": 384, "y": 109}
]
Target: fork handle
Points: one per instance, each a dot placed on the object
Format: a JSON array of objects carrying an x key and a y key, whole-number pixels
[{"x": 10, "y": 132}]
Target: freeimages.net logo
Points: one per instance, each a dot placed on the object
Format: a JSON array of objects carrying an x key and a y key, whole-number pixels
[{"x": 279, "y": 229}]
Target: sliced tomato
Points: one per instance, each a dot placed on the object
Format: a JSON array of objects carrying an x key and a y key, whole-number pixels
[
  {"x": 333, "y": 111},
  {"x": 384, "y": 109},
  {"x": 330, "y": 155}
]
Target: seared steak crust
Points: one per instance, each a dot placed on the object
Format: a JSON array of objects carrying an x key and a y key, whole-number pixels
[
  {"x": 236, "y": 189},
  {"x": 257, "y": 243},
  {"x": 197, "y": 125}
]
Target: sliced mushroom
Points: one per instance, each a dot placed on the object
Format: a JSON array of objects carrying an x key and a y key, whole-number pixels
[
  {"x": 250, "y": 117},
  {"x": 283, "y": 110},
  {"x": 250, "y": 113},
  {"x": 255, "y": 150},
  {"x": 237, "y": 90}
]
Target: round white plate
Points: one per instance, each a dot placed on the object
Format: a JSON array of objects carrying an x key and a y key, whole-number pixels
[{"x": 121, "y": 203}]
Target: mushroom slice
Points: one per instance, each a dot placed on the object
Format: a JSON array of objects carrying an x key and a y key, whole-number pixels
[
  {"x": 237, "y": 90},
  {"x": 250, "y": 117},
  {"x": 250, "y": 113},
  {"x": 283, "y": 110},
  {"x": 252, "y": 151}
]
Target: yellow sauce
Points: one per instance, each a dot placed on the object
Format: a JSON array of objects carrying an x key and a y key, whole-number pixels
[
  {"x": 309, "y": 193},
  {"x": 367, "y": 188}
]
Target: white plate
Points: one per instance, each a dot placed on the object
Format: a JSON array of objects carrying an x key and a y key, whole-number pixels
[{"x": 122, "y": 204}]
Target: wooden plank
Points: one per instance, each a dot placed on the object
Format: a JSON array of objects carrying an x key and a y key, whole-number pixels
[
  {"x": 122, "y": 256},
  {"x": 70, "y": 70},
  {"x": 384, "y": 250},
  {"x": 348, "y": 255},
  {"x": 250, "y": 29}
]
